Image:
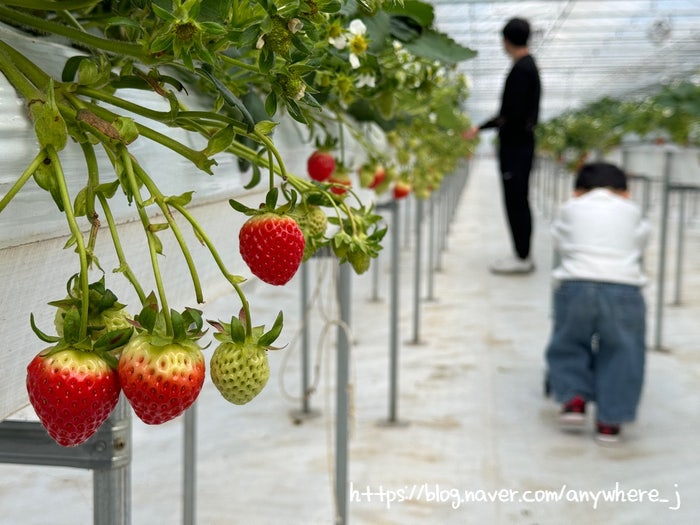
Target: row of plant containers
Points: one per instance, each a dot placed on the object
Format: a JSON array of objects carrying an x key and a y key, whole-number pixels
[{"x": 643, "y": 126}]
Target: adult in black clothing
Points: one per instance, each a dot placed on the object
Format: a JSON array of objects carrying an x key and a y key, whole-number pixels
[{"x": 516, "y": 137}]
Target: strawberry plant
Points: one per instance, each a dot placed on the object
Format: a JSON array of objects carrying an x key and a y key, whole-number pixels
[{"x": 318, "y": 63}]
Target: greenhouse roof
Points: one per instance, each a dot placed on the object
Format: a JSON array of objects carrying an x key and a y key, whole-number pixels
[{"x": 586, "y": 49}]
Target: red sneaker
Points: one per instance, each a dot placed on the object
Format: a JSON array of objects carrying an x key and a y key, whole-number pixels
[
  {"x": 607, "y": 433},
  {"x": 573, "y": 414}
]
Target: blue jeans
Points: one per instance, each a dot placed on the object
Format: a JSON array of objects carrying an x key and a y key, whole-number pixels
[{"x": 597, "y": 348}]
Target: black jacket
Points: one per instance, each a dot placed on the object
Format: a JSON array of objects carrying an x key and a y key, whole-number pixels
[{"x": 520, "y": 104}]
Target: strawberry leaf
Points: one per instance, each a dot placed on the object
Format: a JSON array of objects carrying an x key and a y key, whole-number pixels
[
  {"x": 71, "y": 326},
  {"x": 113, "y": 340},
  {"x": 41, "y": 335},
  {"x": 179, "y": 328},
  {"x": 181, "y": 200},
  {"x": 255, "y": 178},
  {"x": 220, "y": 141},
  {"x": 237, "y": 330},
  {"x": 193, "y": 319},
  {"x": 147, "y": 317},
  {"x": 269, "y": 337},
  {"x": 240, "y": 207},
  {"x": 218, "y": 325},
  {"x": 271, "y": 198},
  {"x": 108, "y": 189}
]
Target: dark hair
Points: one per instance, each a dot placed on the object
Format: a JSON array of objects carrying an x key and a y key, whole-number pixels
[
  {"x": 600, "y": 175},
  {"x": 517, "y": 31}
]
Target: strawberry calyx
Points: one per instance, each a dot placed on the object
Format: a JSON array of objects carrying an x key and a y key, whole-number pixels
[
  {"x": 102, "y": 305},
  {"x": 97, "y": 338},
  {"x": 235, "y": 331},
  {"x": 270, "y": 204},
  {"x": 101, "y": 298},
  {"x": 186, "y": 325},
  {"x": 105, "y": 346},
  {"x": 360, "y": 241}
]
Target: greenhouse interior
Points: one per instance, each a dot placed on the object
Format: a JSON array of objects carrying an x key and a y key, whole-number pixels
[{"x": 366, "y": 262}]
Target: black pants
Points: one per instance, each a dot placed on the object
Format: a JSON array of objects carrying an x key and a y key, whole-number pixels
[{"x": 515, "y": 163}]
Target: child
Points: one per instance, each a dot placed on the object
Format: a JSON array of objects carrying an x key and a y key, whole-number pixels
[{"x": 597, "y": 347}]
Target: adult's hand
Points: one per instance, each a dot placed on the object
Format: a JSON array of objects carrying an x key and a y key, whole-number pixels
[{"x": 471, "y": 133}]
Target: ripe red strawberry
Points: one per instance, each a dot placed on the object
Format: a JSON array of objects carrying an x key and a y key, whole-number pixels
[
  {"x": 72, "y": 391},
  {"x": 379, "y": 176},
  {"x": 320, "y": 165},
  {"x": 161, "y": 381},
  {"x": 401, "y": 189},
  {"x": 341, "y": 181},
  {"x": 272, "y": 245}
]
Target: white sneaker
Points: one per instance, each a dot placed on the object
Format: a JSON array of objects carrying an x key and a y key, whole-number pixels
[{"x": 512, "y": 265}]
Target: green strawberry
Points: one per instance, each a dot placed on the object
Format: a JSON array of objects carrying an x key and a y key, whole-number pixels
[
  {"x": 239, "y": 371},
  {"x": 72, "y": 391},
  {"x": 239, "y": 367},
  {"x": 279, "y": 38},
  {"x": 105, "y": 314},
  {"x": 313, "y": 222}
]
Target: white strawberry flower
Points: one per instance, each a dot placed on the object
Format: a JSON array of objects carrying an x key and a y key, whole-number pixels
[
  {"x": 357, "y": 42},
  {"x": 365, "y": 80}
]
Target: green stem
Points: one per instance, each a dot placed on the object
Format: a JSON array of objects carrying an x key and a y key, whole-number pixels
[
  {"x": 211, "y": 119},
  {"x": 19, "y": 183},
  {"x": 14, "y": 73},
  {"x": 271, "y": 147},
  {"x": 162, "y": 203},
  {"x": 96, "y": 94},
  {"x": 131, "y": 177},
  {"x": 48, "y": 5},
  {"x": 341, "y": 142},
  {"x": 111, "y": 46},
  {"x": 93, "y": 178},
  {"x": 123, "y": 266},
  {"x": 239, "y": 63},
  {"x": 207, "y": 118},
  {"x": 197, "y": 158},
  {"x": 271, "y": 169},
  {"x": 77, "y": 234},
  {"x": 231, "y": 278}
]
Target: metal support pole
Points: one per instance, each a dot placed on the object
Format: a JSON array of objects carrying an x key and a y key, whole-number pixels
[
  {"x": 305, "y": 408},
  {"x": 407, "y": 218},
  {"x": 394, "y": 316},
  {"x": 342, "y": 405},
  {"x": 417, "y": 272},
  {"x": 111, "y": 486},
  {"x": 431, "y": 251},
  {"x": 444, "y": 198},
  {"x": 679, "y": 246},
  {"x": 107, "y": 453},
  {"x": 189, "y": 489},
  {"x": 375, "y": 280},
  {"x": 663, "y": 230}
]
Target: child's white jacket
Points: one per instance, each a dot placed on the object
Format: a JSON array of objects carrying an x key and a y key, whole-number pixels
[{"x": 600, "y": 236}]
